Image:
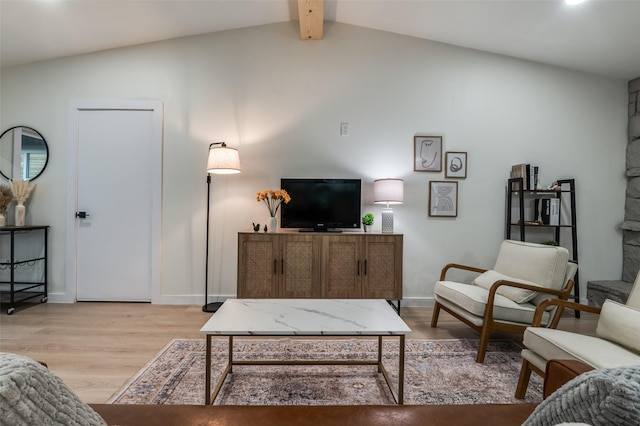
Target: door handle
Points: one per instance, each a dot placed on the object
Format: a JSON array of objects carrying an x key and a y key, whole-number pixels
[{"x": 82, "y": 215}]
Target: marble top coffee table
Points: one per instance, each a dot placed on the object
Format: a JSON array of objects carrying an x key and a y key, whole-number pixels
[{"x": 305, "y": 317}]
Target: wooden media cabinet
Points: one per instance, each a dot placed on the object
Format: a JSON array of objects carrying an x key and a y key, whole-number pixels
[{"x": 291, "y": 264}]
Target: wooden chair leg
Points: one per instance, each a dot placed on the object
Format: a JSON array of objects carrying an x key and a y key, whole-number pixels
[
  {"x": 482, "y": 346},
  {"x": 523, "y": 381},
  {"x": 436, "y": 313}
]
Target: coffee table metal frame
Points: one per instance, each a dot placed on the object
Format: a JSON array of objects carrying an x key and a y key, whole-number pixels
[{"x": 398, "y": 396}]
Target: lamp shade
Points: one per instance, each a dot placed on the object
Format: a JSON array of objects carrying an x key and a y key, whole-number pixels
[
  {"x": 223, "y": 160},
  {"x": 388, "y": 191}
]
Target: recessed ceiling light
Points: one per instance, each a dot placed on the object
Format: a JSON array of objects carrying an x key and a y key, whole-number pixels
[{"x": 573, "y": 2}]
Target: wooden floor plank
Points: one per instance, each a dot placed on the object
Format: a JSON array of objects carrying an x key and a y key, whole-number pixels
[{"x": 96, "y": 347}]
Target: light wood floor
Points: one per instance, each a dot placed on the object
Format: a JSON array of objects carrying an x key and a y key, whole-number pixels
[{"x": 96, "y": 347}]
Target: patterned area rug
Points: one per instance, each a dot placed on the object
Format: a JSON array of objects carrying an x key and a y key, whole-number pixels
[{"x": 436, "y": 372}]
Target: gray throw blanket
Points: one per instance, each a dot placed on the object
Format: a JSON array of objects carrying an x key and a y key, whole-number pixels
[
  {"x": 31, "y": 394},
  {"x": 609, "y": 396}
]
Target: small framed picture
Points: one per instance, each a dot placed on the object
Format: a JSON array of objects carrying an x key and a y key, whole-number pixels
[
  {"x": 427, "y": 152},
  {"x": 455, "y": 165},
  {"x": 443, "y": 198}
]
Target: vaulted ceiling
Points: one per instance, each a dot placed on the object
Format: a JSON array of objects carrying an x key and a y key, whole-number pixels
[{"x": 599, "y": 36}]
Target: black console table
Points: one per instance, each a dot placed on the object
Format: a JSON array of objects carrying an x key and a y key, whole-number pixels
[{"x": 20, "y": 291}]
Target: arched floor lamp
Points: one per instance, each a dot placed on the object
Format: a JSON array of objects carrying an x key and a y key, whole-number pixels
[{"x": 222, "y": 161}]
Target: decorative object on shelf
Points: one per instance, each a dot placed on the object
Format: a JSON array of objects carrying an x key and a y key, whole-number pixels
[
  {"x": 21, "y": 212},
  {"x": 21, "y": 190},
  {"x": 427, "y": 153},
  {"x": 443, "y": 198},
  {"x": 554, "y": 187},
  {"x": 256, "y": 227},
  {"x": 6, "y": 196},
  {"x": 388, "y": 191},
  {"x": 455, "y": 165},
  {"x": 273, "y": 199},
  {"x": 222, "y": 160},
  {"x": 367, "y": 221}
]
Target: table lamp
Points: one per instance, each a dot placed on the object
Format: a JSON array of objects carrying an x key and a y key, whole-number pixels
[{"x": 388, "y": 191}]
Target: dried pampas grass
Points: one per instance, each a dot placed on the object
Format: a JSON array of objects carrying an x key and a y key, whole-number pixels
[
  {"x": 21, "y": 189},
  {"x": 6, "y": 196}
]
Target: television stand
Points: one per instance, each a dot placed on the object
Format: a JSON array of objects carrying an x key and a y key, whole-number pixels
[
  {"x": 334, "y": 230},
  {"x": 319, "y": 265}
]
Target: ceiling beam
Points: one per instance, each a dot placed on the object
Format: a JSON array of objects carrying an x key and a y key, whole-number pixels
[{"x": 311, "y": 13}]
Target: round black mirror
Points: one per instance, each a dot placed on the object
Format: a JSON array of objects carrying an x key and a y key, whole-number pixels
[{"x": 23, "y": 153}]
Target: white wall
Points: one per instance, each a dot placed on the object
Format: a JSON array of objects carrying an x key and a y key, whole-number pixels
[{"x": 280, "y": 100}]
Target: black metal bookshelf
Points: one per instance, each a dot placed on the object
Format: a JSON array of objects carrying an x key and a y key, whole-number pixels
[{"x": 566, "y": 188}]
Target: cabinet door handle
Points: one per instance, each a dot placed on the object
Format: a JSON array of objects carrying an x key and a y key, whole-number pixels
[
  {"x": 365, "y": 266},
  {"x": 282, "y": 266},
  {"x": 358, "y": 267}
]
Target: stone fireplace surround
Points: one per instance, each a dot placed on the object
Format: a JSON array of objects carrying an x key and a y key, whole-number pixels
[{"x": 598, "y": 291}]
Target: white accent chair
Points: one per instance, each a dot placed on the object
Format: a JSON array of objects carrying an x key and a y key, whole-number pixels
[
  {"x": 616, "y": 343},
  {"x": 505, "y": 298}
]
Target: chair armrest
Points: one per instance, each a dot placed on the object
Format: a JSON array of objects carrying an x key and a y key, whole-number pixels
[
  {"x": 488, "y": 313},
  {"x": 459, "y": 266},
  {"x": 545, "y": 304},
  {"x": 535, "y": 288},
  {"x": 560, "y": 371}
]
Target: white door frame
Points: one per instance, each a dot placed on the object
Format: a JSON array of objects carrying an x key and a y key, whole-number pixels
[{"x": 75, "y": 107}]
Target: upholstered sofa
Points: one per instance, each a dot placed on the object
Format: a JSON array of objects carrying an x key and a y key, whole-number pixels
[
  {"x": 32, "y": 394},
  {"x": 616, "y": 343}
]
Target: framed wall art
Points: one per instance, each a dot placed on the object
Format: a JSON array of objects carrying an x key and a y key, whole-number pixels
[
  {"x": 427, "y": 153},
  {"x": 455, "y": 165},
  {"x": 443, "y": 198}
]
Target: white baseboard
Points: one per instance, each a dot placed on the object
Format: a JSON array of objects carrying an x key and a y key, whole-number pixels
[
  {"x": 171, "y": 299},
  {"x": 59, "y": 298},
  {"x": 191, "y": 299},
  {"x": 417, "y": 302}
]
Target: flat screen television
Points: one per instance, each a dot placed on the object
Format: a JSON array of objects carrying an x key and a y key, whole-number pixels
[{"x": 321, "y": 204}]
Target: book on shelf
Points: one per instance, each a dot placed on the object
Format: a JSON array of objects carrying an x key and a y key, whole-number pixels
[
  {"x": 520, "y": 171},
  {"x": 554, "y": 211},
  {"x": 528, "y": 173},
  {"x": 547, "y": 211},
  {"x": 533, "y": 176},
  {"x": 544, "y": 210}
]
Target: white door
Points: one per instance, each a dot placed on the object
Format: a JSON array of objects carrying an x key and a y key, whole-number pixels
[{"x": 116, "y": 212}]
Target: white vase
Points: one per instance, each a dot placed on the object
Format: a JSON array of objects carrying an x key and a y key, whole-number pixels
[
  {"x": 3, "y": 220},
  {"x": 273, "y": 224},
  {"x": 21, "y": 212}
]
